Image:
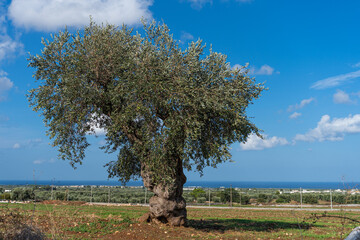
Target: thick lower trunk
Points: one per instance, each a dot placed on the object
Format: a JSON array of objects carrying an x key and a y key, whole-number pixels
[{"x": 167, "y": 205}]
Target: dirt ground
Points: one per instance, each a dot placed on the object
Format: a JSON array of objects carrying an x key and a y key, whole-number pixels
[{"x": 78, "y": 220}]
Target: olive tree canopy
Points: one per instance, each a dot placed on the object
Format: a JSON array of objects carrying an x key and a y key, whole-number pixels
[{"x": 163, "y": 108}]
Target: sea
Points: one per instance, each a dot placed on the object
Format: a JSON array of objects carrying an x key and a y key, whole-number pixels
[{"x": 203, "y": 184}]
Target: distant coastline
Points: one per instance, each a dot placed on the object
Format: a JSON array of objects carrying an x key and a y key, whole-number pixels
[{"x": 204, "y": 184}]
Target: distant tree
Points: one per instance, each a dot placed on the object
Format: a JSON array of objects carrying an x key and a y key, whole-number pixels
[
  {"x": 264, "y": 198},
  {"x": 23, "y": 194},
  {"x": 46, "y": 187},
  {"x": 311, "y": 199},
  {"x": 60, "y": 196},
  {"x": 216, "y": 199},
  {"x": 16, "y": 193},
  {"x": 162, "y": 108},
  {"x": 201, "y": 200},
  {"x": 198, "y": 192},
  {"x": 283, "y": 198},
  {"x": 340, "y": 199},
  {"x": 245, "y": 199},
  {"x": 228, "y": 195},
  {"x": 1, "y": 190}
]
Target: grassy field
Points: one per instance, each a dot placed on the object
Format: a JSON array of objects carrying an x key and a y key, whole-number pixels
[{"x": 77, "y": 220}]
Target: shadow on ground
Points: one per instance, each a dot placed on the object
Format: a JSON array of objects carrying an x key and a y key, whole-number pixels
[{"x": 222, "y": 225}]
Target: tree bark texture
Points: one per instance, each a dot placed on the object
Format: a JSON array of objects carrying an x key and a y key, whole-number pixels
[{"x": 167, "y": 205}]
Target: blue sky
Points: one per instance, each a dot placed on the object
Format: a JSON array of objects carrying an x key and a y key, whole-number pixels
[{"x": 306, "y": 52}]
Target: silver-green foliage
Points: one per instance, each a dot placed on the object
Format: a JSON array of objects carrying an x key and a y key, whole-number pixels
[{"x": 156, "y": 101}]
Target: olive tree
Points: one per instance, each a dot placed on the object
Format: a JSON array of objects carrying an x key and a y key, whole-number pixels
[{"x": 163, "y": 108}]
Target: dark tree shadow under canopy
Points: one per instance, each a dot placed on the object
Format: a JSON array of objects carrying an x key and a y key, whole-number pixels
[{"x": 222, "y": 225}]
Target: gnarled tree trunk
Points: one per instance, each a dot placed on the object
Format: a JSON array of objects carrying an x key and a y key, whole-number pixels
[{"x": 167, "y": 205}]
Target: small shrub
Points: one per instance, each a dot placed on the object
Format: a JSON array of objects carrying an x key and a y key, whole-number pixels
[
  {"x": 13, "y": 226},
  {"x": 5, "y": 196}
]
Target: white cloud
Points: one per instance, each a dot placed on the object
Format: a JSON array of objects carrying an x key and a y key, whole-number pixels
[
  {"x": 300, "y": 105},
  {"x": 8, "y": 46},
  {"x": 336, "y": 80},
  {"x": 239, "y": 1},
  {"x": 96, "y": 124},
  {"x": 2, "y": 22},
  {"x": 5, "y": 84},
  {"x": 16, "y": 146},
  {"x": 41, "y": 161},
  {"x": 99, "y": 131},
  {"x": 356, "y": 94},
  {"x": 356, "y": 65},
  {"x": 331, "y": 130},
  {"x": 198, "y": 4},
  {"x": 32, "y": 143},
  {"x": 295, "y": 115},
  {"x": 341, "y": 97},
  {"x": 255, "y": 143},
  {"x": 264, "y": 70},
  {"x": 237, "y": 66},
  {"x": 51, "y": 15},
  {"x": 185, "y": 36},
  {"x": 243, "y": 69}
]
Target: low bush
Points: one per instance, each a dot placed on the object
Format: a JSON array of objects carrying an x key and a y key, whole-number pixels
[
  {"x": 5, "y": 196},
  {"x": 13, "y": 226}
]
